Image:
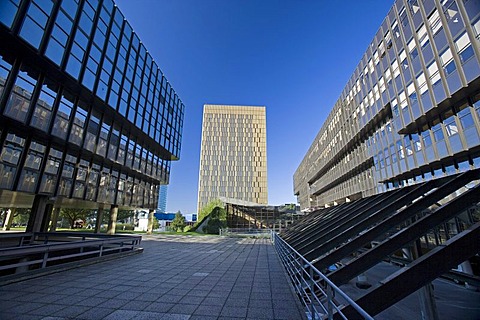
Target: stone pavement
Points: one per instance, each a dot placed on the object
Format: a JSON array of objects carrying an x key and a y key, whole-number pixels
[{"x": 176, "y": 277}]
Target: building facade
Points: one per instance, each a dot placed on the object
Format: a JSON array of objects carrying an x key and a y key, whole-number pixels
[
  {"x": 87, "y": 118},
  {"x": 233, "y": 155},
  {"x": 409, "y": 113},
  {"x": 162, "y": 198}
]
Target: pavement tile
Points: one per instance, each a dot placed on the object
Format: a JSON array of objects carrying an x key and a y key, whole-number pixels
[
  {"x": 233, "y": 311},
  {"x": 71, "y": 311},
  {"x": 202, "y": 317},
  {"x": 114, "y": 303},
  {"x": 91, "y": 301},
  {"x": 171, "y": 298},
  {"x": 159, "y": 306},
  {"x": 95, "y": 313},
  {"x": 136, "y": 305},
  {"x": 145, "y": 315},
  {"x": 214, "y": 301},
  {"x": 24, "y": 307},
  {"x": 173, "y": 316},
  {"x": 107, "y": 294},
  {"x": 191, "y": 300},
  {"x": 183, "y": 308},
  {"x": 47, "y": 310},
  {"x": 208, "y": 310},
  {"x": 121, "y": 315},
  {"x": 260, "y": 313}
]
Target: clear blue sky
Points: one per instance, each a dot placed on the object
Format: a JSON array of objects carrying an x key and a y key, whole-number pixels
[{"x": 292, "y": 56}]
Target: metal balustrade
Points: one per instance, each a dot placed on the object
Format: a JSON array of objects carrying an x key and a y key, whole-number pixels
[
  {"x": 31, "y": 251},
  {"x": 321, "y": 297}
]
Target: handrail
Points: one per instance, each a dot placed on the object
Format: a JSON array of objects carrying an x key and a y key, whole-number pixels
[
  {"x": 309, "y": 282},
  {"x": 39, "y": 252}
]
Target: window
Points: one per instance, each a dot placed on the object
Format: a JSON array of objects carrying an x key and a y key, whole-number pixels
[
  {"x": 451, "y": 127},
  {"x": 18, "y": 103},
  {"x": 78, "y": 126},
  {"x": 412, "y": 49},
  {"x": 62, "y": 118},
  {"x": 9, "y": 159},
  {"x": 5, "y": 68},
  {"x": 81, "y": 179},
  {"x": 427, "y": 140},
  {"x": 50, "y": 174},
  {"x": 438, "y": 132},
  {"x": 422, "y": 83},
  {"x": 464, "y": 48},
  {"x": 422, "y": 36},
  {"x": 92, "y": 132},
  {"x": 433, "y": 73},
  {"x": 43, "y": 109},
  {"x": 33, "y": 26},
  {"x": 435, "y": 22},
  {"x": 466, "y": 119},
  {"x": 103, "y": 140},
  {"x": 416, "y": 142},
  {"x": 61, "y": 31},
  {"x": 66, "y": 181},
  {"x": 31, "y": 169},
  {"x": 8, "y": 11},
  {"x": 447, "y": 61}
]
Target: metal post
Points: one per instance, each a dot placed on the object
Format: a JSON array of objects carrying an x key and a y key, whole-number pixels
[
  {"x": 329, "y": 302},
  {"x": 312, "y": 293},
  {"x": 45, "y": 257}
]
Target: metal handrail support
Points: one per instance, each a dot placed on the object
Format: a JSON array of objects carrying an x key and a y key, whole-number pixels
[{"x": 308, "y": 289}]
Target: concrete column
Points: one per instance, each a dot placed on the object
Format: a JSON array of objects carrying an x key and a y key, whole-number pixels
[
  {"x": 37, "y": 216},
  {"x": 466, "y": 267},
  {"x": 54, "y": 220},
  {"x": 46, "y": 217},
  {"x": 112, "y": 222},
  {"x": 98, "y": 222},
  {"x": 8, "y": 218},
  {"x": 428, "y": 307},
  {"x": 150, "y": 221}
]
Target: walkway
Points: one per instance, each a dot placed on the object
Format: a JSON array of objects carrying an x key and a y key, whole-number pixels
[{"x": 176, "y": 277}]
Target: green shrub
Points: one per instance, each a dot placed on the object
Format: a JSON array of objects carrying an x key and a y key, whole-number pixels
[{"x": 124, "y": 226}]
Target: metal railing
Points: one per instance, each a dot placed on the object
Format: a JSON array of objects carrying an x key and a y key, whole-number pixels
[
  {"x": 321, "y": 297},
  {"x": 246, "y": 232},
  {"x": 40, "y": 250}
]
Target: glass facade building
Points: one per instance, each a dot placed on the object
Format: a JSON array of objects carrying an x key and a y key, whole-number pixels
[
  {"x": 86, "y": 115},
  {"x": 233, "y": 155},
  {"x": 410, "y": 111}
]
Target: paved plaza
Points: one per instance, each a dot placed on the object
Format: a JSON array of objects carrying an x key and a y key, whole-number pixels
[{"x": 176, "y": 277}]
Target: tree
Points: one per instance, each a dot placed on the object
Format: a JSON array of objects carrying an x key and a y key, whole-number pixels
[
  {"x": 21, "y": 216},
  {"x": 217, "y": 221},
  {"x": 73, "y": 214},
  {"x": 208, "y": 208},
  {"x": 178, "y": 223}
]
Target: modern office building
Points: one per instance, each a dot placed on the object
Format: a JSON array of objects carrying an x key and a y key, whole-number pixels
[
  {"x": 162, "y": 198},
  {"x": 233, "y": 156},
  {"x": 410, "y": 111},
  {"x": 87, "y": 119}
]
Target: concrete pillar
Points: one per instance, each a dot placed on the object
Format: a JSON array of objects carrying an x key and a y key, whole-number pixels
[
  {"x": 8, "y": 218},
  {"x": 46, "y": 217},
  {"x": 112, "y": 221},
  {"x": 54, "y": 220},
  {"x": 466, "y": 267},
  {"x": 150, "y": 221},
  {"x": 98, "y": 222},
  {"x": 37, "y": 216},
  {"x": 428, "y": 307}
]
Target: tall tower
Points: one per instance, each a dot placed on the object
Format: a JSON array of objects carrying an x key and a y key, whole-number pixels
[
  {"x": 233, "y": 155},
  {"x": 162, "y": 198}
]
